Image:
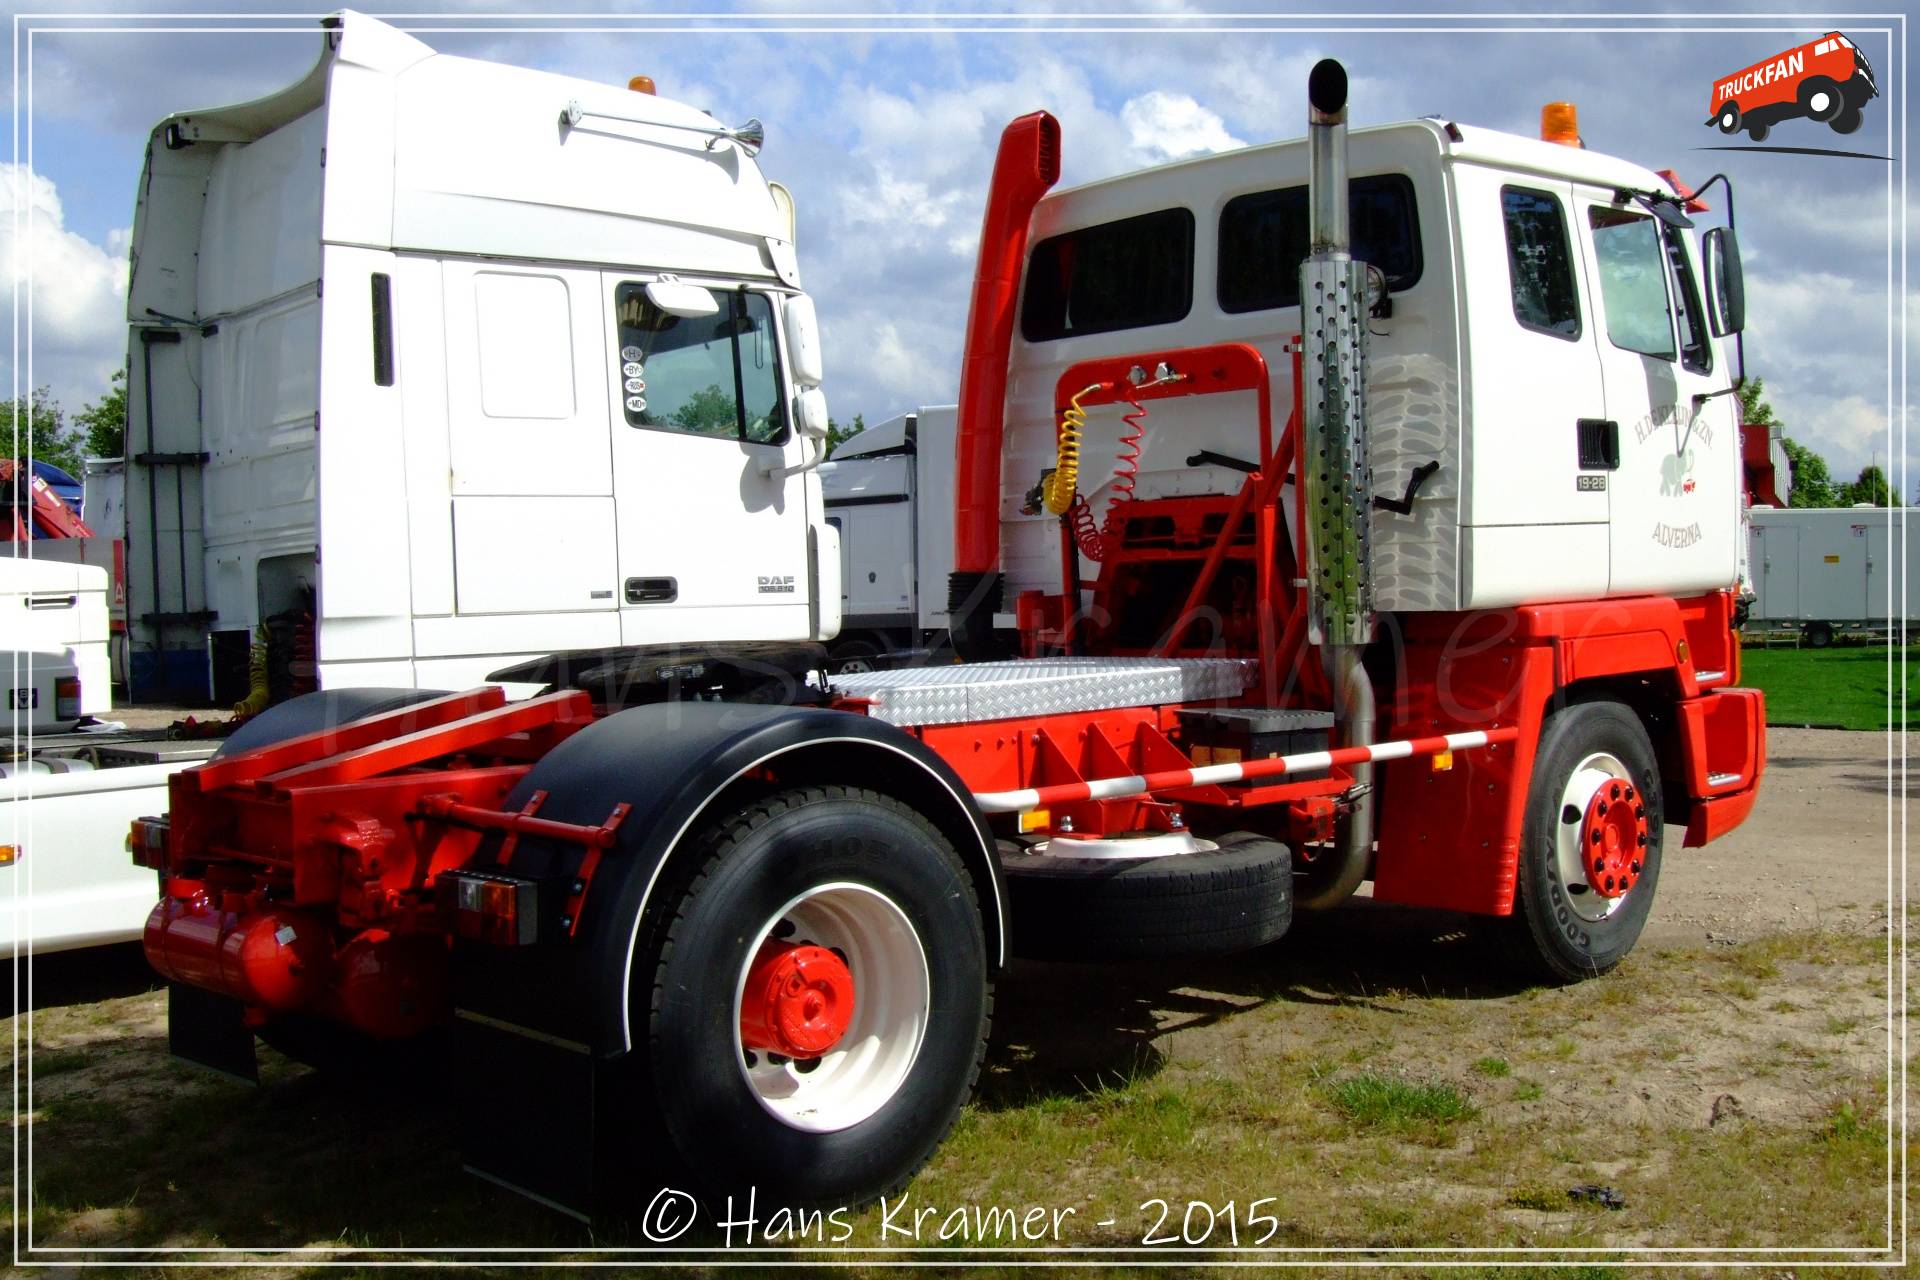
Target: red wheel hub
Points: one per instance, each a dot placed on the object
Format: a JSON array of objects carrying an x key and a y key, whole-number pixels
[
  {"x": 1613, "y": 838},
  {"x": 798, "y": 1000}
]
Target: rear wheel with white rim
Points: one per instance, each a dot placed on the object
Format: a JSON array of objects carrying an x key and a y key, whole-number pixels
[
  {"x": 819, "y": 1004},
  {"x": 1590, "y": 844}
]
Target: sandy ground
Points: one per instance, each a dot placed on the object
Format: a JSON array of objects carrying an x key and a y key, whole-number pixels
[{"x": 1815, "y": 853}]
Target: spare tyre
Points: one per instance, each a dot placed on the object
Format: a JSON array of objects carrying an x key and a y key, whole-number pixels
[{"x": 1211, "y": 902}]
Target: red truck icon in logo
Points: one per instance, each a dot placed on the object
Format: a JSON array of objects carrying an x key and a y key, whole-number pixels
[{"x": 1827, "y": 80}]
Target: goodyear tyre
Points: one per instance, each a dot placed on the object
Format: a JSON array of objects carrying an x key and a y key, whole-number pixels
[{"x": 1590, "y": 845}]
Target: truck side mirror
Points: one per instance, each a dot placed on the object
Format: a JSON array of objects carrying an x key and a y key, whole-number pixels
[
  {"x": 810, "y": 413},
  {"x": 1726, "y": 288},
  {"x": 803, "y": 342}
]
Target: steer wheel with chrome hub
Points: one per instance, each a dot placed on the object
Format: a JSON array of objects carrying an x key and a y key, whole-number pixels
[
  {"x": 1590, "y": 844},
  {"x": 818, "y": 999}
]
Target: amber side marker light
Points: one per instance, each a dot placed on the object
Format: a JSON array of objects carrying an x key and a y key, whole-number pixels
[
  {"x": 1560, "y": 122},
  {"x": 641, "y": 84},
  {"x": 10, "y": 854}
]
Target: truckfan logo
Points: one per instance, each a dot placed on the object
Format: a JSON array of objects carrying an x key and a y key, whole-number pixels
[{"x": 1828, "y": 81}]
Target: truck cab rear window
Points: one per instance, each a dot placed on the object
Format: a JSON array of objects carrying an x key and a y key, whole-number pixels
[
  {"x": 716, "y": 375},
  {"x": 1117, "y": 275},
  {"x": 1263, "y": 240}
]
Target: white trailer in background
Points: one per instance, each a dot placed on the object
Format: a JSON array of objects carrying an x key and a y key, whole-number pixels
[
  {"x": 66, "y": 798},
  {"x": 889, "y": 491},
  {"x": 1823, "y": 570},
  {"x": 54, "y": 640}
]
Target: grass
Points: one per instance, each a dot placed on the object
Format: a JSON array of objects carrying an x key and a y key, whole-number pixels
[
  {"x": 1391, "y": 1102},
  {"x": 1842, "y": 687},
  {"x": 1493, "y": 1068}
]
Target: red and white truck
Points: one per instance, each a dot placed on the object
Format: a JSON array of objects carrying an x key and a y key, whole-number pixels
[
  {"x": 1826, "y": 80},
  {"x": 1362, "y": 510}
]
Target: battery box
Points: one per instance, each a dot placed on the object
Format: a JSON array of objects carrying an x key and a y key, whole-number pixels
[{"x": 1229, "y": 735}]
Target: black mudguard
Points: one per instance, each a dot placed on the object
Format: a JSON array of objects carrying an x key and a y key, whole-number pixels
[{"x": 561, "y": 1009}]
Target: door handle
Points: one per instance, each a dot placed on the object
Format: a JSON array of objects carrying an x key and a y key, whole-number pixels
[
  {"x": 652, "y": 590},
  {"x": 1599, "y": 443}
]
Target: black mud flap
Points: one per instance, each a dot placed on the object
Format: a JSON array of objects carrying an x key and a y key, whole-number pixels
[
  {"x": 210, "y": 1030},
  {"x": 527, "y": 1114}
]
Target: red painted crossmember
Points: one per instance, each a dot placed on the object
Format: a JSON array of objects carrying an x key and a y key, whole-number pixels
[
  {"x": 1245, "y": 771},
  {"x": 798, "y": 1000},
  {"x": 1611, "y": 838}
]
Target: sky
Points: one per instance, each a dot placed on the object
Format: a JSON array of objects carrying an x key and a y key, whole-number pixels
[{"x": 884, "y": 127}]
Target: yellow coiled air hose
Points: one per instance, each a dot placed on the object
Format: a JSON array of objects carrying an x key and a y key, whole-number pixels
[{"x": 1065, "y": 478}]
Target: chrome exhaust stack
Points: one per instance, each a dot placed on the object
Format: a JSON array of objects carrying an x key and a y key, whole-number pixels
[{"x": 1336, "y": 489}]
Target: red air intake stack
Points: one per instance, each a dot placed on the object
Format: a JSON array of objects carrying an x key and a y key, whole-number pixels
[{"x": 1028, "y": 164}]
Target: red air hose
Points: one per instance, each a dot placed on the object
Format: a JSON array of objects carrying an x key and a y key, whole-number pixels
[{"x": 1096, "y": 540}]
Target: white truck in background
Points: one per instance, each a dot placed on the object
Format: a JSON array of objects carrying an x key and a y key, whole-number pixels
[
  {"x": 889, "y": 492},
  {"x": 384, "y": 393},
  {"x": 1822, "y": 571}
]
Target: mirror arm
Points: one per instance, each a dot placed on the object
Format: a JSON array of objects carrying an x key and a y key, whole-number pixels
[
  {"x": 1700, "y": 398},
  {"x": 772, "y": 469},
  {"x": 1739, "y": 337}
]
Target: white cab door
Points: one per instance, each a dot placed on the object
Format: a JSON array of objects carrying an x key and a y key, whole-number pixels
[
  {"x": 713, "y": 538},
  {"x": 1535, "y": 524},
  {"x": 531, "y": 471},
  {"x": 1676, "y": 493}
]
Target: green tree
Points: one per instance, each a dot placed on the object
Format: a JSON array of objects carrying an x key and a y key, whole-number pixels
[
  {"x": 38, "y": 427},
  {"x": 709, "y": 413},
  {"x": 105, "y": 420},
  {"x": 1812, "y": 483},
  {"x": 837, "y": 433},
  {"x": 1871, "y": 487},
  {"x": 1754, "y": 409}
]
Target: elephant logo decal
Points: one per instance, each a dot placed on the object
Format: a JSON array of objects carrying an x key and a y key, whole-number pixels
[{"x": 1676, "y": 474}]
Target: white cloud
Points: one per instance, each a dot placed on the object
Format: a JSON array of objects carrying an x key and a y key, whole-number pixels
[
  {"x": 1168, "y": 126},
  {"x": 73, "y": 290}
]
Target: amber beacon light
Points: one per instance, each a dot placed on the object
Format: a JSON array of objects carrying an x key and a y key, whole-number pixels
[{"x": 1560, "y": 122}]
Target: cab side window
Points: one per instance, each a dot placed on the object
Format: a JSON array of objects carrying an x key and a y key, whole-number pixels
[
  {"x": 1633, "y": 281},
  {"x": 1540, "y": 261},
  {"x": 1117, "y": 275},
  {"x": 716, "y": 375},
  {"x": 1263, "y": 239}
]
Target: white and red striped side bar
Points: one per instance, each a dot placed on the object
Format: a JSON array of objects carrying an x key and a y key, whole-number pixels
[{"x": 1244, "y": 771}]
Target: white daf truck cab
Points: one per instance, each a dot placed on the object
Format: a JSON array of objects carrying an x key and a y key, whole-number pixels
[{"x": 468, "y": 363}]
